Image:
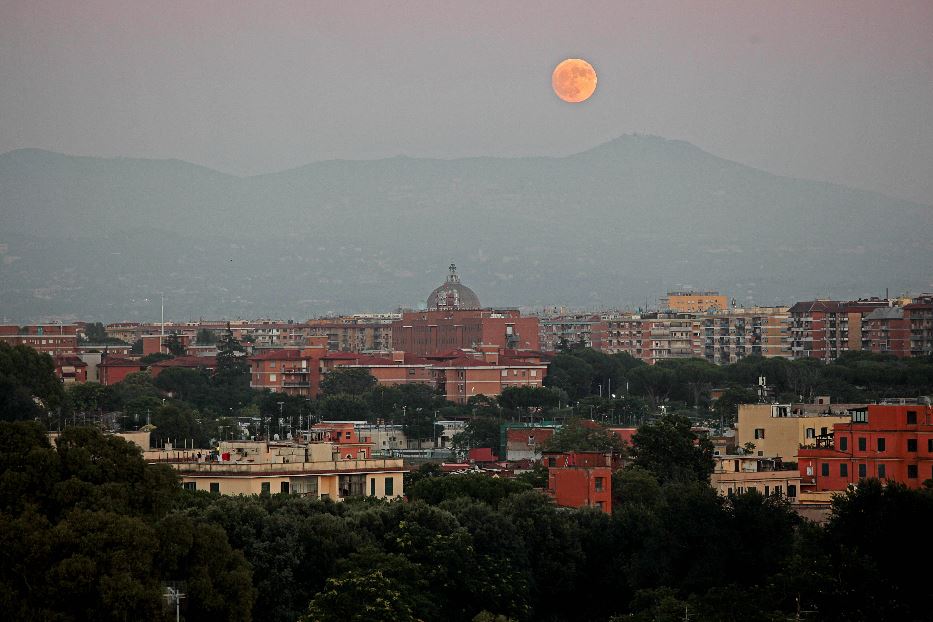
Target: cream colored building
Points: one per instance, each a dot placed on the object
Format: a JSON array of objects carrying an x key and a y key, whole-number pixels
[
  {"x": 324, "y": 470},
  {"x": 780, "y": 429},
  {"x": 735, "y": 474}
]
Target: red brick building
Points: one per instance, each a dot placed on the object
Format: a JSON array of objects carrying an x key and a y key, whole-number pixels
[
  {"x": 580, "y": 479},
  {"x": 824, "y": 329},
  {"x": 70, "y": 369},
  {"x": 430, "y": 332},
  {"x": 293, "y": 372},
  {"x": 47, "y": 338},
  {"x": 112, "y": 369},
  {"x": 919, "y": 315},
  {"x": 889, "y": 331},
  {"x": 886, "y": 442}
]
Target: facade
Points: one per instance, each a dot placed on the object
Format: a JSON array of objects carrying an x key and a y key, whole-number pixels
[
  {"x": 728, "y": 336},
  {"x": 887, "y": 442},
  {"x": 431, "y": 332},
  {"x": 70, "y": 369},
  {"x": 571, "y": 329},
  {"x": 44, "y": 338},
  {"x": 293, "y": 372},
  {"x": 919, "y": 315},
  {"x": 889, "y": 331},
  {"x": 580, "y": 479},
  {"x": 368, "y": 333},
  {"x": 112, "y": 369},
  {"x": 464, "y": 377},
  {"x": 318, "y": 467},
  {"x": 524, "y": 441},
  {"x": 824, "y": 329},
  {"x": 694, "y": 302},
  {"x": 779, "y": 430},
  {"x": 735, "y": 474}
]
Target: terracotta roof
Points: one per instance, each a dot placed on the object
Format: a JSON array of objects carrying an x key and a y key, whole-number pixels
[
  {"x": 114, "y": 361},
  {"x": 188, "y": 361}
]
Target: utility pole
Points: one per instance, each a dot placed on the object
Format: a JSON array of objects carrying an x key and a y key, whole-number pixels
[{"x": 162, "y": 331}]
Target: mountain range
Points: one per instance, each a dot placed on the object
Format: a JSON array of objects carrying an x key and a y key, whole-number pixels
[{"x": 617, "y": 225}]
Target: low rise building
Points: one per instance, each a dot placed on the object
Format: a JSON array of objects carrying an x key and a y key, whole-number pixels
[
  {"x": 328, "y": 465},
  {"x": 887, "y": 442},
  {"x": 54, "y": 339},
  {"x": 580, "y": 479},
  {"x": 113, "y": 369},
  {"x": 738, "y": 473},
  {"x": 780, "y": 430}
]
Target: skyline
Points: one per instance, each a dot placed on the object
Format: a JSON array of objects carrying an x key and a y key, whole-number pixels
[{"x": 825, "y": 91}]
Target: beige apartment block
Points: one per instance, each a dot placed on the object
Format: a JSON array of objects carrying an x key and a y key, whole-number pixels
[
  {"x": 735, "y": 474},
  {"x": 780, "y": 429}
]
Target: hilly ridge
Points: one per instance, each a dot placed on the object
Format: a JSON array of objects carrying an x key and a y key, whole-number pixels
[{"x": 611, "y": 225}]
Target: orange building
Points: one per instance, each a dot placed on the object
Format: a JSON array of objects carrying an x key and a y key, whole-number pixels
[
  {"x": 886, "y": 442},
  {"x": 694, "y": 302},
  {"x": 580, "y": 479}
]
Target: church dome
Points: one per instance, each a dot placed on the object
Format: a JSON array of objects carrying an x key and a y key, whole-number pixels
[{"x": 453, "y": 295}]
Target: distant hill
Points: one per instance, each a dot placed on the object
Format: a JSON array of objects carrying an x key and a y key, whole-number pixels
[{"x": 626, "y": 220}]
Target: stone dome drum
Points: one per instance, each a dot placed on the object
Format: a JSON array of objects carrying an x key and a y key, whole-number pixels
[{"x": 453, "y": 294}]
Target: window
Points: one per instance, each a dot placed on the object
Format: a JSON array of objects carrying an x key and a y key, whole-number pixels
[
  {"x": 271, "y": 377},
  {"x": 911, "y": 417},
  {"x": 759, "y": 432},
  {"x": 862, "y": 444},
  {"x": 372, "y": 487},
  {"x": 843, "y": 443},
  {"x": 792, "y": 491},
  {"x": 930, "y": 445},
  {"x": 189, "y": 486},
  {"x": 599, "y": 484},
  {"x": 824, "y": 431},
  {"x": 843, "y": 469},
  {"x": 810, "y": 433},
  {"x": 911, "y": 444},
  {"x": 215, "y": 487},
  {"x": 599, "y": 504},
  {"x": 729, "y": 492},
  {"x": 862, "y": 471},
  {"x": 824, "y": 469},
  {"x": 860, "y": 416},
  {"x": 552, "y": 461},
  {"x": 882, "y": 471},
  {"x": 264, "y": 487},
  {"x": 283, "y": 488},
  {"x": 767, "y": 490},
  {"x": 778, "y": 490},
  {"x": 390, "y": 486},
  {"x": 912, "y": 471}
]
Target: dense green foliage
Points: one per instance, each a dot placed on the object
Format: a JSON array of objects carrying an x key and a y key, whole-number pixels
[{"x": 88, "y": 531}]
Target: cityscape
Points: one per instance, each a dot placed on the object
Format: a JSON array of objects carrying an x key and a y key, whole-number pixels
[{"x": 466, "y": 312}]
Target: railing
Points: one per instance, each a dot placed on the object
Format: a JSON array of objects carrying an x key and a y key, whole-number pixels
[{"x": 252, "y": 468}]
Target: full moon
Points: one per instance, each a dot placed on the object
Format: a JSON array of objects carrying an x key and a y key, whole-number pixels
[{"x": 574, "y": 80}]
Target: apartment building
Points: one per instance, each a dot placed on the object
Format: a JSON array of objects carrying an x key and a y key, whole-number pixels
[
  {"x": 779, "y": 430},
  {"x": 735, "y": 474},
  {"x": 45, "y": 338}
]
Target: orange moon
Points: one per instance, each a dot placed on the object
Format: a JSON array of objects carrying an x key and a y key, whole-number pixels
[{"x": 574, "y": 80}]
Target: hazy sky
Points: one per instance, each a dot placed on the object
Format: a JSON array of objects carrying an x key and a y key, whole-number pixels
[{"x": 841, "y": 91}]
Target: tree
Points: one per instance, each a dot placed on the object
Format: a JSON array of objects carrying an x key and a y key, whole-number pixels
[
  {"x": 25, "y": 372},
  {"x": 479, "y": 432},
  {"x": 669, "y": 449},
  {"x": 341, "y": 407},
  {"x": 231, "y": 374},
  {"x": 348, "y": 381},
  {"x": 96, "y": 334},
  {"x": 205, "y": 337},
  {"x": 155, "y": 357},
  {"x": 727, "y": 406},
  {"x": 584, "y": 435},
  {"x": 174, "y": 346},
  {"x": 530, "y": 398},
  {"x": 654, "y": 382},
  {"x": 571, "y": 374}
]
